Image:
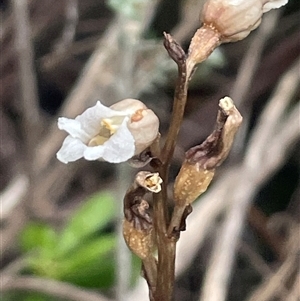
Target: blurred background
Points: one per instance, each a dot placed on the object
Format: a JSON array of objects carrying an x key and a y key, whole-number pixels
[{"x": 60, "y": 224}]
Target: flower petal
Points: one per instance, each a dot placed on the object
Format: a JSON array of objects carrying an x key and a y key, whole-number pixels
[
  {"x": 94, "y": 152},
  {"x": 90, "y": 119},
  {"x": 74, "y": 128},
  {"x": 71, "y": 150},
  {"x": 271, "y": 4},
  {"x": 121, "y": 146}
]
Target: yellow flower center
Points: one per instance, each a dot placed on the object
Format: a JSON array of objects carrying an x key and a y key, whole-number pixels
[
  {"x": 108, "y": 127},
  {"x": 108, "y": 124}
]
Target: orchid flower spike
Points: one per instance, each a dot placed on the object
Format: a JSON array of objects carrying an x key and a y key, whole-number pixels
[
  {"x": 113, "y": 134},
  {"x": 235, "y": 19}
]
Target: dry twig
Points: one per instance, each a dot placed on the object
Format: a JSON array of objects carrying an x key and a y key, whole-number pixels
[
  {"x": 49, "y": 287},
  {"x": 275, "y": 285}
]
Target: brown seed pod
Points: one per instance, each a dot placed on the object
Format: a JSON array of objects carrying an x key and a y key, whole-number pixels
[
  {"x": 191, "y": 182},
  {"x": 201, "y": 161},
  {"x": 139, "y": 241}
]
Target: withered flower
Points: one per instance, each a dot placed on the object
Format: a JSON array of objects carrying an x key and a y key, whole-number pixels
[
  {"x": 138, "y": 232},
  {"x": 150, "y": 181},
  {"x": 137, "y": 226}
]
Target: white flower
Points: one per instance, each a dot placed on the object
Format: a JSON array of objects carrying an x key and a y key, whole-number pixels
[
  {"x": 235, "y": 19},
  {"x": 113, "y": 134}
]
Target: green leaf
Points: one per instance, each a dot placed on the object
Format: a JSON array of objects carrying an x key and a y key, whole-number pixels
[
  {"x": 97, "y": 274},
  {"x": 37, "y": 236},
  {"x": 88, "y": 261},
  {"x": 25, "y": 296},
  {"x": 91, "y": 217}
]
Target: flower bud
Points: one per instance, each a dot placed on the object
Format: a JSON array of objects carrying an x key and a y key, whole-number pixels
[
  {"x": 143, "y": 124},
  {"x": 235, "y": 19}
]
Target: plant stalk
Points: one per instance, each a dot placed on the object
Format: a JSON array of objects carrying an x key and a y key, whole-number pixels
[{"x": 166, "y": 246}]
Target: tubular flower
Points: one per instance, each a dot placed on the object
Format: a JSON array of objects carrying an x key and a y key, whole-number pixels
[
  {"x": 113, "y": 134},
  {"x": 235, "y": 19}
]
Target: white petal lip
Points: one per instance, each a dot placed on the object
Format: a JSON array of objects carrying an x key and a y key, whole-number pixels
[
  {"x": 74, "y": 128},
  {"x": 121, "y": 146},
  {"x": 87, "y": 125},
  {"x": 271, "y": 4},
  {"x": 71, "y": 150}
]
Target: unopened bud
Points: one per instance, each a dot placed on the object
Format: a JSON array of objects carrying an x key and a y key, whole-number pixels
[
  {"x": 143, "y": 124},
  {"x": 139, "y": 241},
  {"x": 234, "y": 20},
  {"x": 226, "y": 21}
]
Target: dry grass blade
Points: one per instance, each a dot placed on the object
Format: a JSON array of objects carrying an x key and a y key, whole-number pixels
[
  {"x": 275, "y": 285},
  {"x": 47, "y": 286},
  {"x": 257, "y": 167}
]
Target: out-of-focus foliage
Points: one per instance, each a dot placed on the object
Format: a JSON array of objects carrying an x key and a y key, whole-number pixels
[
  {"x": 128, "y": 8},
  {"x": 81, "y": 253},
  {"x": 26, "y": 296}
]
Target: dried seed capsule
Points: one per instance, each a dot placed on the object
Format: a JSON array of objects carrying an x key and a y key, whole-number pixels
[
  {"x": 191, "y": 182},
  {"x": 199, "y": 166},
  {"x": 201, "y": 161},
  {"x": 139, "y": 241}
]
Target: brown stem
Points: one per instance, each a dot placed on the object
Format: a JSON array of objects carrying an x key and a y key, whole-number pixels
[
  {"x": 180, "y": 97},
  {"x": 167, "y": 246}
]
